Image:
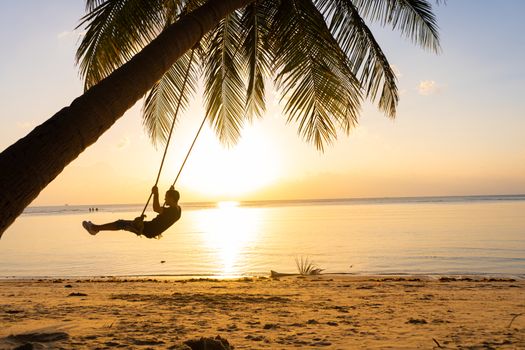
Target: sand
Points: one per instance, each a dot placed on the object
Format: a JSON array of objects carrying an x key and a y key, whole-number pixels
[{"x": 316, "y": 312}]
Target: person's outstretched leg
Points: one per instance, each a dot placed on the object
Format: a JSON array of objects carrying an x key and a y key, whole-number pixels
[
  {"x": 94, "y": 229},
  {"x": 126, "y": 225}
]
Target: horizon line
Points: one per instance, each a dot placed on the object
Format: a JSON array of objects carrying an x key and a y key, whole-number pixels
[{"x": 299, "y": 200}]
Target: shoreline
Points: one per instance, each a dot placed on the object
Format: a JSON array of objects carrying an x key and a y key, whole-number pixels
[
  {"x": 320, "y": 311},
  {"x": 348, "y": 275}
]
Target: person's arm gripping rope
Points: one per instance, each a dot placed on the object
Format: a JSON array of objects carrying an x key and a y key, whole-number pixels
[{"x": 156, "y": 204}]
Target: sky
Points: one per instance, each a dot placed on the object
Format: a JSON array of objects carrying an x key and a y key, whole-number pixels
[{"x": 459, "y": 128}]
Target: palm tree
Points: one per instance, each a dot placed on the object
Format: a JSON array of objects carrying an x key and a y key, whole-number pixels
[
  {"x": 34, "y": 161},
  {"x": 321, "y": 54}
]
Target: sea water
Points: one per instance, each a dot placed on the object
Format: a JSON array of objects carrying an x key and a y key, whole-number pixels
[{"x": 431, "y": 235}]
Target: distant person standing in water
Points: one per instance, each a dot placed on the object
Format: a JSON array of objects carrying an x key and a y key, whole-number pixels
[{"x": 167, "y": 216}]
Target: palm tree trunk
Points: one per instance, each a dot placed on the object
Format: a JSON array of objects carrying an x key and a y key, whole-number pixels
[{"x": 30, "y": 164}]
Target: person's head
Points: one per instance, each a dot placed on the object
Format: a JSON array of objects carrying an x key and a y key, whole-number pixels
[{"x": 172, "y": 196}]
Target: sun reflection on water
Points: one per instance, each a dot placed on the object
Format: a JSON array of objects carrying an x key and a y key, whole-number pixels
[{"x": 228, "y": 230}]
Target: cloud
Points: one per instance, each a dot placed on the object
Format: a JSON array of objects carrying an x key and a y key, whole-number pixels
[
  {"x": 70, "y": 34},
  {"x": 428, "y": 87},
  {"x": 123, "y": 143},
  {"x": 26, "y": 125}
]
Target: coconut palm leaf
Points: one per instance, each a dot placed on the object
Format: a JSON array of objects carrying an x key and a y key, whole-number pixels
[
  {"x": 365, "y": 56},
  {"x": 321, "y": 53},
  {"x": 414, "y": 18},
  {"x": 225, "y": 90},
  {"x": 255, "y": 32},
  {"x": 92, "y": 4},
  {"x": 160, "y": 106},
  {"x": 116, "y": 30},
  {"x": 173, "y": 10},
  {"x": 313, "y": 73}
]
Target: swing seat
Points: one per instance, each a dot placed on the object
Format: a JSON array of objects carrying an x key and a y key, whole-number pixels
[
  {"x": 138, "y": 222},
  {"x": 138, "y": 228}
]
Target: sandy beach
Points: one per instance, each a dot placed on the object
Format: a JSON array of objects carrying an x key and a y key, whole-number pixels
[{"x": 333, "y": 312}]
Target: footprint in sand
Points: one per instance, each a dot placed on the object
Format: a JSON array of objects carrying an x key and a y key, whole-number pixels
[
  {"x": 416, "y": 321},
  {"x": 271, "y": 326},
  {"x": 255, "y": 337},
  {"x": 321, "y": 343}
]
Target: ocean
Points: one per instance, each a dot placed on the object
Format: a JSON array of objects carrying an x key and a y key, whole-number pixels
[{"x": 472, "y": 235}]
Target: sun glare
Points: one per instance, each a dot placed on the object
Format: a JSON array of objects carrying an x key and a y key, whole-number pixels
[
  {"x": 227, "y": 204},
  {"x": 229, "y": 230},
  {"x": 218, "y": 171}
]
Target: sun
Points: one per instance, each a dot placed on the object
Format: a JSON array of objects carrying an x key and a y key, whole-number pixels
[{"x": 217, "y": 171}]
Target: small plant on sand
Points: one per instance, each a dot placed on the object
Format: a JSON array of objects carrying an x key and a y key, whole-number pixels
[{"x": 307, "y": 267}]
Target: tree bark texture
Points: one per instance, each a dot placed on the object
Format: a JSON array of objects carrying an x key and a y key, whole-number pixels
[{"x": 30, "y": 164}]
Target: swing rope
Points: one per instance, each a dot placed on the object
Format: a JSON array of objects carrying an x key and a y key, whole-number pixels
[
  {"x": 189, "y": 151},
  {"x": 171, "y": 132}
]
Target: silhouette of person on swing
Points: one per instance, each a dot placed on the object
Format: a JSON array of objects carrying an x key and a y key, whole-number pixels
[{"x": 167, "y": 216}]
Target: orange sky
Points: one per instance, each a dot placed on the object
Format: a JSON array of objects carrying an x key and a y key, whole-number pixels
[{"x": 459, "y": 128}]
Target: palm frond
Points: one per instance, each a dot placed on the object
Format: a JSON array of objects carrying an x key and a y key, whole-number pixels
[
  {"x": 92, "y": 4},
  {"x": 160, "y": 110},
  {"x": 224, "y": 87},
  {"x": 313, "y": 73},
  {"x": 414, "y": 18},
  {"x": 173, "y": 10},
  {"x": 160, "y": 105},
  {"x": 115, "y": 31},
  {"x": 322, "y": 54},
  {"x": 366, "y": 58},
  {"x": 255, "y": 32}
]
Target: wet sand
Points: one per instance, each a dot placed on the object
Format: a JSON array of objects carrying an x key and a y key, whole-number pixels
[{"x": 332, "y": 312}]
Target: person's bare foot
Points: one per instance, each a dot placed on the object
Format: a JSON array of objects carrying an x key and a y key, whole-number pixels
[{"x": 88, "y": 225}]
